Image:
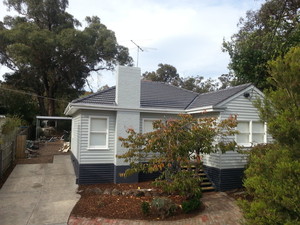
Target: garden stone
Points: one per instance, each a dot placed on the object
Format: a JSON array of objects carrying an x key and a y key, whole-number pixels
[
  {"x": 126, "y": 192},
  {"x": 98, "y": 191},
  {"x": 131, "y": 192},
  {"x": 88, "y": 191},
  {"x": 107, "y": 192},
  {"x": 116, "y": 192}
]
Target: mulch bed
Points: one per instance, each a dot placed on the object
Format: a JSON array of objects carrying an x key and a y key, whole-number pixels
[{"x": 93, "y": 205}]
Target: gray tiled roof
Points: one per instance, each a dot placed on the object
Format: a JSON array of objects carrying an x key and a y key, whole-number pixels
[
  {"x": 106, "y": 97},
  {"x": 216, "y": 97},
  {"x": 161, "y": 95}
]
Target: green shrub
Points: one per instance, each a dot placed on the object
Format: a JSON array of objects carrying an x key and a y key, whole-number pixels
[
  {"x": 145, "y": 208},
  {"x": 191, "y": 205},
  {"x": 184, "y": 182},
  {"x": 272, "y": 181},
  {"x": 163, "y": 207},
  {"x": 10, "y": 124}
]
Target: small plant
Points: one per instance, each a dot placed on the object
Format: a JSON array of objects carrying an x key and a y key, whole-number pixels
[
  {"x": 145, "y": 208},
  {"x": 191, "y": 205},
  {"x": 163, "y": 207}
]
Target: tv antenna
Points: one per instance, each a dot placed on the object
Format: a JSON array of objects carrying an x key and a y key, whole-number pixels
[{"x": 138, "y": 51}]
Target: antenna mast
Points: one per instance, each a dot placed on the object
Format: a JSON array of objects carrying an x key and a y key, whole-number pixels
[{"x": 138, "y": 50}]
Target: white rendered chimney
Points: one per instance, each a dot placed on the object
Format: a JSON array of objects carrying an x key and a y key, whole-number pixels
[{"x": 128, "y": 86}]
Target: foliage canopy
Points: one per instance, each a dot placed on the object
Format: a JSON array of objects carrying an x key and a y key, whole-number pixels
[
  {"x": 263, "y": 35},
  {"x": 273, "y": 173},
  {"x": 49, "y": 55},
  {"x": 281, "y": 107}
]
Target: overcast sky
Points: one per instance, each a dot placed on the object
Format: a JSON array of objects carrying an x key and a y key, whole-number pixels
[{"x": 187, "y": 34}]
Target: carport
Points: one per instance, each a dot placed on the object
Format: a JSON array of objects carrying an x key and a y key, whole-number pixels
[{"x": 58, "y": 123}]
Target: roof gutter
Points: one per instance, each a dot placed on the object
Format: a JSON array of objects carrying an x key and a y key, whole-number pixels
[
  {"x": 205, "y": 109},
  {"x": 73, "y": 107}
]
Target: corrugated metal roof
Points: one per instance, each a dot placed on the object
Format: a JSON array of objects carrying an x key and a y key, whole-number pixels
[{"x": 161, "y": 95}]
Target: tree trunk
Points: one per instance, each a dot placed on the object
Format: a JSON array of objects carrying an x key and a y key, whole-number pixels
[
  {"x": 50, "y": 100},
  {"x": 42, "y": 106},
  {"x": 51, "y": 107}
]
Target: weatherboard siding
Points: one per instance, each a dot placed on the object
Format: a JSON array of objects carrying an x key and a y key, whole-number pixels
[
  {"x": 212, "y": 160},
  {"x": 94, "y": 156},
  {"x": 244, "y": 109},
  {"x": 76, "y": 120}
]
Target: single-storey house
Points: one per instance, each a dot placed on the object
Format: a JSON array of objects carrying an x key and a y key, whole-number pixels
[{"x": 98, "y": 120}]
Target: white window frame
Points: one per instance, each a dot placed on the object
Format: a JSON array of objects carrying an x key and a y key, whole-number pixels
[
  {"x": 148, "y": 119},
  {"x": 102, "y": 147},
  {"x": 251, "y": 143}
]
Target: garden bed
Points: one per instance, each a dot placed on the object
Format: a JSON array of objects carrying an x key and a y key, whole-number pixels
[{"x": 124, "y": 202}]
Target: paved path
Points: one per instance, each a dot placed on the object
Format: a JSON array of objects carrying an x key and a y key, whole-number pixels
[
  {"x": 219, "y": 210},
  {"x": 39, "y": 193}
]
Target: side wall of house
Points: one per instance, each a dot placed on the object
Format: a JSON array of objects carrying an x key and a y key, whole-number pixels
[
  {"x": 92, "y": 156},
  {"x": 227, "y": 170},
  {"x": 244, "y": 109},
  {"x": 75, "y": 134},
  {"x": 94, "y": 165},
  {"x": 75, "y": 138}
]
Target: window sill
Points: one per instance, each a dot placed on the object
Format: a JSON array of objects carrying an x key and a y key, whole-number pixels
[
  {"x": 97, "y": 148},
  {"x": 249, "y": 145}
]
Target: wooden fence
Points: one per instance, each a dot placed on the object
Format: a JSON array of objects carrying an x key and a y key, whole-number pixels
[{"x": 12, "y": 146}]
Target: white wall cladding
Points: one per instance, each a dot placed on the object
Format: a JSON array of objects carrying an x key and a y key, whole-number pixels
[
  {"x": 124, "y": 121},
  {"x": 242, "y": 107},
  {"x": 88, "y": 156},
  {"x": 212, "y": 160},
  {"x": 245, "y": 110},
  {"x": 156, "y": 116},
  {"x": 75, "y": 134},
  {"x": 128, "y": 86}
]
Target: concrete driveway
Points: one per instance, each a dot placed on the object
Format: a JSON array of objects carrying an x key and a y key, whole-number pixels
[{"x": 39, "y": 193}]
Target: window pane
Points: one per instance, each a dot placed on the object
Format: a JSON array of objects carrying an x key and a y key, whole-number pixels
[
  {"x": 97, "y": 139},
  {"x": 148, "y": 127},
  {"x": 257, "y": 127},
  {"x": 243, "y": 127},
  {"x": 98, "y": 124},
  {"x": 258, "y": 138},
  {"x": 242, "y": 138}
]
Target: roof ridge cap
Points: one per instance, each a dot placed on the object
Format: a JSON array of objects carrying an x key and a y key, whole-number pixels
[{"x": 226, "y": 89}]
